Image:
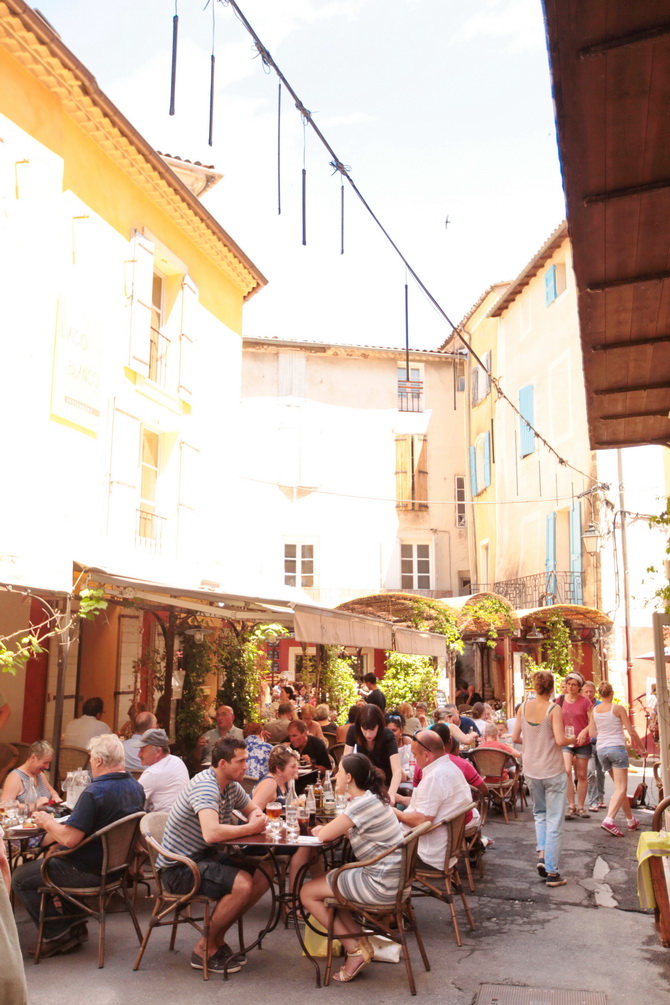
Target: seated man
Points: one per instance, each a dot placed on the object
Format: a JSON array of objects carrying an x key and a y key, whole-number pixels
[
  {"x": 225, "y": 717},
  {"x": 198, "y": 820},
  {"x": 276, "y": 730},
  {"x": 441, "y": 792},
  {"x": 131, "y": 747},
  {"x": 454, "y": 718},
  {"x": 79, "y": 731},
  {"x": 313, "y": 752},
  {"x": 164, "y": 775},
  {"x": 112, "y": 794}
]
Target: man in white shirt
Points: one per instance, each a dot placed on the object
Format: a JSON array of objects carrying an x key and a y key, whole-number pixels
[
  {"x": 131, "y": 747},
  {"x": 441, "y": 792},
  {"x": 164, "y": 775},
  {"x": 79, "y": 731}
]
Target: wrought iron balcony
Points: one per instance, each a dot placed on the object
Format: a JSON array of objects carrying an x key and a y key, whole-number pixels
[
  {"x": 410, "y": 396},
  {"x": 149, "y": 533},
  {"x": 544, "y": 589}
]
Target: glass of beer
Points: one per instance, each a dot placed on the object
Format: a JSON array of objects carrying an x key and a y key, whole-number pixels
[
  {"x": 303, "y": 820},
  {"x": 273, "y": 813}
]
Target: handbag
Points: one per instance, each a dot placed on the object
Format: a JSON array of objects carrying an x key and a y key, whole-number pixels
[{"x": 316, "y": 942}]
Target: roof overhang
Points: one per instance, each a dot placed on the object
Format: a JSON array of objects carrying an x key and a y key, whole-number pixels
[{"x": 610, "y": 64}]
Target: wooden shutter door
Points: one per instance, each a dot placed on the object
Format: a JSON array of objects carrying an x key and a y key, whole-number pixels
[
  {"x": 124, "y": 482},
  {"x": 550, "y": 559},
  {"x": 142, "y": 273},
  {"x": 420, "y": 445},
  {"x": 403, "y": 473},
  {"x": 576, "y": 551}
]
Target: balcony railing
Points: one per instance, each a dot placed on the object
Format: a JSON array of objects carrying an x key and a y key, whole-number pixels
[
  {"x": 544, "y": 589},
  {"x": 149, "y": 533},
  {"x": 410, "y": 396}
]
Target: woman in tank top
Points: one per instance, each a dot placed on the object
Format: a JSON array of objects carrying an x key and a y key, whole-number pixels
[
  {"x": 608, "y": 722},
  {"x": 30, "y": 775},
  {"x": 539, "y": 727},
  {"x": 576, "y": 709}
]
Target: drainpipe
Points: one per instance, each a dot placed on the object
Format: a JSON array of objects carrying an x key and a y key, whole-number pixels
[{"x": 626, "y": 583}]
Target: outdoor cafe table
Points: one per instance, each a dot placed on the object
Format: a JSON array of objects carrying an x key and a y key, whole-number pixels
[
  {"x": 17, "y": 839},
  {"x": 273, "y": 850}
]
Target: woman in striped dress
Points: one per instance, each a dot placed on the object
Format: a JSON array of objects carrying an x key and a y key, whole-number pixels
[{"x": 372, "y": 828}]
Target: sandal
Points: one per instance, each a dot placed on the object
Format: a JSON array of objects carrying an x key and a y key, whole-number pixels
[
  {"x": 572, "y": 813},
  {"x": 365, "y": 951},
  {"x": 581, "y": 812}
]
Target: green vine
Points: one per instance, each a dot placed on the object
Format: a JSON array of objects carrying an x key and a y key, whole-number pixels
[
  {"x": 662, "y": 520},
  {"x": 495, "y": 612},
  {"x": 409, "y": 678},
  {"x": 338, "y": 684},
  {"x": 242, "y": 663},
  {"x": 197, "y": 663},
  {"x": 557, "y": 651},
  {"x": 427, "y": 616}
]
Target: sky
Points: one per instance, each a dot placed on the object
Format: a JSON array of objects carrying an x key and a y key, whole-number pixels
[{"x": 440, "y": 109}]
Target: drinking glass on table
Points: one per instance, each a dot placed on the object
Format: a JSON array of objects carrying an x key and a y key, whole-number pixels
[
  {"x": 273, "y": 813},
  {"x": 340, "y": 802},
  {"x": 303, "y": 820},
  {"x": 292, "y": 826},
  {"x": 569, "y": 730}
]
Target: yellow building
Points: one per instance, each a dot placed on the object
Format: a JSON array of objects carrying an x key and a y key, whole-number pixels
[{"x": 121, "y": 320}]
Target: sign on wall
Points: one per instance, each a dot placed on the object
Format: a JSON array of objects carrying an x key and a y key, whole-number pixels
[{"x": 76, "y": 390}]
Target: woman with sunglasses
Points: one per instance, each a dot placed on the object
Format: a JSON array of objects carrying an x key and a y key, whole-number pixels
[{"x": 371, "y": 737}]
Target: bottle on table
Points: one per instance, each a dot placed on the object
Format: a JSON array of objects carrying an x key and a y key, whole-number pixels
[
  {"x": 328, "y": 796},
  {"x": 318, "y": 795},
  {"x": 310, "y": 804},
  {"x": 291, "y": 795}
]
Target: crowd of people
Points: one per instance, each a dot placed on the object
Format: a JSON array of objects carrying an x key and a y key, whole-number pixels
[{"x": 398, "y": 769}]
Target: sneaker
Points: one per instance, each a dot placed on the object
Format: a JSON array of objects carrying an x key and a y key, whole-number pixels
[
  {"x": 555, "y": 879},
  {"x": 541, "y": 868},
  {"x": 217, "y": 962},
  {"x": 633, "y": 824},
  {"x": 611, "y": 828}
]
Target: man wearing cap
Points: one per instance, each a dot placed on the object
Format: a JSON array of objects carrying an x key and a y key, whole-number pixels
[
  {"x": 143, "y": 721},
  {"x": 164, "y": 775}
]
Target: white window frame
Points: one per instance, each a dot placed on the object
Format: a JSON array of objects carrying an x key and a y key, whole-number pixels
[
  {"x": 414, "y": 543},
  {"x": 419, "y": 367},
  {"x": 299, "y": 543},
  {"x": 461, "y": 514}
]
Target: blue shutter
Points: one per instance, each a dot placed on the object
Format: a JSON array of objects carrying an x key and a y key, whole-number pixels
[
  {"x": 551, "y": 585},
  {"x": 527, "y": 409},
  {"x": 486, "y": 446},
  {"x": 473, "y": 471},
  {"x": 576, "y": 551},
  {"x": 550, "y": 285}
]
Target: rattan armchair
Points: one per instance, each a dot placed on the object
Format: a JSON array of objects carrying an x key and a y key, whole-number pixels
[
  {"x": 118, "y": 841},
  {"x": 9, "y": 756},
  {"x": 380, "y": 917},
  {"x": 491, "y": 764},
  {"x": 440, "y": 883}
]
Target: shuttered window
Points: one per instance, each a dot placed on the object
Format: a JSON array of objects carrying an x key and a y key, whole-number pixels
[
  {"x": 411, "y": 472},
  {"x": 527, "y": 409}
]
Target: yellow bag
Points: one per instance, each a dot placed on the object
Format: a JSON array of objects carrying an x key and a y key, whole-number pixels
[{"x": 316, "y": 942}]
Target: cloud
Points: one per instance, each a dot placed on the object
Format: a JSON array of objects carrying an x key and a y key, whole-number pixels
[{"x": 514, "y": 22}]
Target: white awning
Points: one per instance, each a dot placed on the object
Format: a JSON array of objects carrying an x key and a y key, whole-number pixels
[
  {"x": 334, "y": 628},
  {"x": 415, "y": 643}
]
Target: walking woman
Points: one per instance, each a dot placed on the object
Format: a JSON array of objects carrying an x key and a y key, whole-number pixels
[
  {"x": 539, "y": 727},
  {"x": 608, "y": 722},
  {"x": 576, "y": 709},
  {"x": 372, "y": 828}
]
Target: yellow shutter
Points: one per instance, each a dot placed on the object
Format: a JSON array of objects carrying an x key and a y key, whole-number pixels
[
  {"x": 403, "y": 472},
  {"x": 420, "y": 451}
]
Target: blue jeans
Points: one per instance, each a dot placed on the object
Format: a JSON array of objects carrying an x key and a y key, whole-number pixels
[
  {"x": 596, "y": 780},
  {"x": 548, "y": 795}
]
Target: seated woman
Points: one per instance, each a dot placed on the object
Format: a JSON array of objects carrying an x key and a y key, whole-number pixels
[
  {"x": 31, "y": 773},
  {"x": 322, "y": 719},
  {"x": 395, "y": 721},
  {"x": 477, "y": 716},
  {"x": 372, "y": 828},
  {"x": 282, "y": 769},
  {"x": 371, "y": 737},
  {"x": 412, "y": 724},
  {"x": 307, "y": 716},
  {"x": 258, "y": 751}
]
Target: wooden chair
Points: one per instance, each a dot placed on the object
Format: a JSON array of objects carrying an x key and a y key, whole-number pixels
[
  {"x": 9, "y": 756},
  {"x": 472, "y": 851},
  {"x": 440, "y": 883},
  {"x": 491, "y": 763},
  {"x": 379, "y": 917},
  {"x": 71, "y": 759},
  {"x": 23, "y": 750},
  {"x": 118, "y": 842},
  {"x": 336, "y": 752},
  {"x": 168, "y": 907}
]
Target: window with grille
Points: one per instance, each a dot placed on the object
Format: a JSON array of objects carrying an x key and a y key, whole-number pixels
[
  {"x": 410, "y": 389},
  {"x": 415, "y": 566},
  {"x": 461, "y": 520},
  {"x": 299, "y": 565}
]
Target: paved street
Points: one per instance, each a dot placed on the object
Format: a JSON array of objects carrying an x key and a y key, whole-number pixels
[{"x": 588, "y": 935}]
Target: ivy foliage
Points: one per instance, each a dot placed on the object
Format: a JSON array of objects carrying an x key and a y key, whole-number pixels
[
  {"x": 557, "y": 651},
  {"x": 197, "y": 663},
  {"x": 241, "y": 663},
  {"x": 663, "y": 521},
  {"x": 338, "y": 684},
  {"x": 495, "y": 613},
  {"x": 429, "y": 616},
  {"x": 16, "y": 649},
  {"x": 409, "y": 678}
]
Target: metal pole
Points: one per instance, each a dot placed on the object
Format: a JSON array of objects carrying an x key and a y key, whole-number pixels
[
  {"x": 626, "y": 584},
  {"x": 663, "y": 708},
  {"x": 63, "y": 654}
]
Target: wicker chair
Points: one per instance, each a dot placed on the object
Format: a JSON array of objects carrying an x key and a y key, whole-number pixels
[
  {"x": 336, "y": 751},
  {"x": 472, "y": 851},
  {"x": 9, "y": 756},
  {"x": 440, "y": 883},
  {"x": 380, "y": 916},
  {"x": 118, "y": 841},
  {"x": 491, "y": 763},
  {"x": 71, "y": 759},
  {"x": 168, "y": 907}
]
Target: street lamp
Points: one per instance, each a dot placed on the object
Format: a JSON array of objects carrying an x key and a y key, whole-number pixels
[{"x": 591, "y": 539}]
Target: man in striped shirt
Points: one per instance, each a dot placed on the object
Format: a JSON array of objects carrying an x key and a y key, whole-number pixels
[{"x": 198, "y": 820}]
